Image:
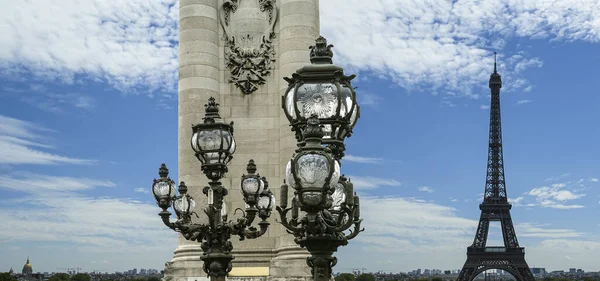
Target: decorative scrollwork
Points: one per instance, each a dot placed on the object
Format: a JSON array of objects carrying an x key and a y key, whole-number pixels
[{"x": 249, "y": 57}]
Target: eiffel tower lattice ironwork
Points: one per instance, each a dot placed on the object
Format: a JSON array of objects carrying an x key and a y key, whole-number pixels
[{"x": 495, "y": 207}]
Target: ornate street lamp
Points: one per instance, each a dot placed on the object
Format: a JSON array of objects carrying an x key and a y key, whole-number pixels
[
  {"x": 322, "y": 89},
  {"x": 324, "y": 196},
  {"x": 214, "y": 145}
]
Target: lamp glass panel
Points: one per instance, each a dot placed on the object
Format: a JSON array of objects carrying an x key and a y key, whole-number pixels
[
  {"x": 289, "y": 175},
  {"x": 161, "y": 188},
  {"x": 335, "y": 177},
  {"x": 173, "y": 188},
  {"x": 320, "y": 99},
  {"x": 289, "y": 103},
  {"x": 264, "y": 202},
  {"x": 339, "y": 196},
  {"x": 347, "y": 103},
  {"x": 209, "y": 139},
  {"x": 252, "y": 185},
  {"x": 195, "y": 142},
  {"x": 312, "y": 170}
]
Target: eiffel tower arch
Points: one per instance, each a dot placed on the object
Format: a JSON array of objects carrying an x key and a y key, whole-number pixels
[{"x": 495, "y": 207}]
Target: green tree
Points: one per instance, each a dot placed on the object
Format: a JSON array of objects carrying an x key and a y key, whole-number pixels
[
  {"x": 436, "y": 279},
  {"x": 81, "y": 277},
  {"x": 60, "y": 277},
  {"x": 366, "y": 277},
  {"x": 153, "y": 278},
  {"x": 5, "y": 276},
  {"x": 345, "y": 277}
]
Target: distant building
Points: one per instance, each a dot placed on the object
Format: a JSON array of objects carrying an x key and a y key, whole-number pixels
[
  {"x": 580, "y": 271},
  {"x": 572, "y": 270},
  {"x": 27, "y": 269},
  {"x": 538, "y": 271}
]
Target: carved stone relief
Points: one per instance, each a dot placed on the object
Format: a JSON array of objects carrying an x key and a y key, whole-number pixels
[{"x": 249, "y": 30}]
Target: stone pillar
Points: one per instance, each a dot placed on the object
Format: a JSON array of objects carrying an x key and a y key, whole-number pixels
[
  {"x": 199, "y": 79},
  {"x": 261, "y": 129},
  {"x": 298, "y": 29}
]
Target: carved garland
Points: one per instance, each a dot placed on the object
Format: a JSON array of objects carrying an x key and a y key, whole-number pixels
[{"x": 249, "y": 59}]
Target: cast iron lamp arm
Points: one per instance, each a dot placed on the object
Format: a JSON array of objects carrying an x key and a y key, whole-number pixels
[
  {"x": 166, "y": 218},
  {"x": 284, "y": 221},
  {"x": 354, "y": 232}
]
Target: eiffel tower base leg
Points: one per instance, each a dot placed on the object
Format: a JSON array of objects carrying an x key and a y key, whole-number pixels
[{"x": 512, "y": 262}]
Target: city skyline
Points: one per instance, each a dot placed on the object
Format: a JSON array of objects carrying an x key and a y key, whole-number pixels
[
  {"x": 418, "y": 271},
  {"x": 88, "y": 114}
]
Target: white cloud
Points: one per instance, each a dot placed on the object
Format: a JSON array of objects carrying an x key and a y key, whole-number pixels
[
  {"x": 366, "y": 183},
  {"x": 555, "y": 196},
  {"x": 413, "y": 229},
  {"x": 360, "y": 159},
  {"x": 435, "y": 45},
  {"x": 484, "y": 107},
  {"x": 418, "y": 44},
  {"x": 142, "y": 190},
  {"x": 43, "y": 184},
  {"x": 368, "y": 99},
  {"x": 532, "y": 230},
  {"x": 41, "y": 97},
  {"x": 55, "y": 213},
  {"x": 21, "y": 143},
  {"x": 426, "y": 189},
  {"x": 594, "y": 180},
  {"x": 580, "y": 252},
  {"x": 516, "y": 201},
  {"x": 128, "y": 44},
  {"x": 555, "y": 178},
  {"x": 523, "y": 101}
]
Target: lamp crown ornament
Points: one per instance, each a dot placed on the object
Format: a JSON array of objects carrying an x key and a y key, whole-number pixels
[
  {"x": 321, "y": 53},
  {"x": 251, "y": 167},
  {"x": 163, "y": 171},
  {"x": 212, "y": 111},
  {"x": 182, "y": 188}
]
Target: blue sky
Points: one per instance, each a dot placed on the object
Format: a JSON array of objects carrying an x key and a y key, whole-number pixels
[{"x": 87, "y": 115}]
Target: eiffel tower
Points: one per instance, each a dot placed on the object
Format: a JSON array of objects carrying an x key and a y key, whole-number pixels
[{"x": 495, "y": 207}]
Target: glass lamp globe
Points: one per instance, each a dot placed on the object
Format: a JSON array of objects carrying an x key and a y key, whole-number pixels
[
  {"x": 213, "y": 140},
  {"x": 184, "y": 205},
  {"x": 266, "y": 202},
  {"x": 213, "y": 146},
  {"x": 311, "y": 173},
  {"x": 163, "y": 189},
  {"x": 252, "y": 186},
  {"x": 322, "y": 89}
]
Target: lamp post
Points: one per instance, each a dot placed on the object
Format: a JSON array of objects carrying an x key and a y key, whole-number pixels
[
  {"x": 320, "y": 104},
  {"x": 326, "y": 199},
  {"x": 214, "y": 145}
]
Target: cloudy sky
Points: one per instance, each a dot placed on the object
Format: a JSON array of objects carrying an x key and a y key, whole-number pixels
[{"x": 87, "y": 112}]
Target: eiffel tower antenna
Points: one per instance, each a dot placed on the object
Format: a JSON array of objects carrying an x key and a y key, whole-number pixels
[{"x": 495, "y": 207}]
